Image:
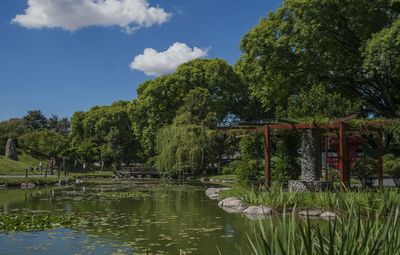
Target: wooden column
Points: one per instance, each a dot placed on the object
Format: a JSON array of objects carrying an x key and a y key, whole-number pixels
[
  {"x": 267, "y": 156},
  {"x": 344, "y": 163},
  {"x": 379, "y": 153}
]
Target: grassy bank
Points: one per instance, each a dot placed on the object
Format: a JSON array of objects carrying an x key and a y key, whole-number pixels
[
  {"x": 8, "y": 166},
  {"x": 381, "y": 199},
  {"x": 41, "y": 180}
]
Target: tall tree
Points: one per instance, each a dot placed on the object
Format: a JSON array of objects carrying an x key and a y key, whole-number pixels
[{"x": 306, "y": 43}]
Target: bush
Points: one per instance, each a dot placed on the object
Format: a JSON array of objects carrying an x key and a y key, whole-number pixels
[
  {"x": 365, "y": 170},
  {"x": 395, "y": 175},
  {"x": 250, "y": 171},
  {"x": 389, "y": 162}
]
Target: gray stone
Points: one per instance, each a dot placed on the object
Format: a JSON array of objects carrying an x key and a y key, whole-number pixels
[
  {"x": 28, "y": 185},
  {"x": 311, "y": 155},
  {"x": 234, "y": 203},
  {"x": 259, "y": 210},
  {"x": 311, "y": 213},
  {"x": 3, "y": 186},
  {"x": 328, "y": 215},
  {"x": 11, "y": 150},
  {"x": 213, "y": 193}
]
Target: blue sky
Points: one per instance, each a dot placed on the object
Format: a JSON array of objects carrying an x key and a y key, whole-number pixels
[{"x": 82, "y": 61}]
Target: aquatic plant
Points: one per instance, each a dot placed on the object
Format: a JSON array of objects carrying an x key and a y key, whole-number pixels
[
  {"x": 120, "y": 195},
  {"x": 31, "y": 222},
  {"x": 351, "y": 234},
  {"x": 366, "y": 200}
]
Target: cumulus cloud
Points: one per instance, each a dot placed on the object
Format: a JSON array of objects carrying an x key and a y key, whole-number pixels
[
  {"x": 74, "y": 14},
  {"x": 152, "y": 62}
]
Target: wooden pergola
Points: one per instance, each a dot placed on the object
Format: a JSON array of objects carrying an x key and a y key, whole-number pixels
[{"x": 343, "y": 126}]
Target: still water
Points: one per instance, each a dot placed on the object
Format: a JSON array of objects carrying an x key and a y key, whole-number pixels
[{"x": 174, "y": 218}]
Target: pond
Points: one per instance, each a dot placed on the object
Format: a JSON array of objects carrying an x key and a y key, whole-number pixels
[{"x": 170, "y": 219}]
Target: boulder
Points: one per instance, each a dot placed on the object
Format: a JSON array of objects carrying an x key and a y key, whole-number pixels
[
  {"x": 11, "y": 150},
  {"x": 213, "y": 193},
  {"x": 311, "y": 213},
  {"x": 28, "y": 185},
  {"x": 233, "y": 203},
  {"x": 328, "y": 215},
  {"x": 259, "y": 210}
]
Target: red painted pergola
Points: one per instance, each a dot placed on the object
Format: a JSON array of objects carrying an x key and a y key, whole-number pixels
[{"x": 341, "y": 125}]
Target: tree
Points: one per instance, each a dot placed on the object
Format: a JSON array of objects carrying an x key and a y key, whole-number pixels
[
  {"x": 36, "y": 120},
  {"x": 106, "y": 126},
  {"x": 307, "y": 43},
  {"x": 44, "y": 142},
  {"x": 11, "y": 129},
  {"x": 159, "y": 100}
]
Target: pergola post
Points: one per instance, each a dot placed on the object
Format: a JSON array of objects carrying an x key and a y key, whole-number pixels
[
  {"x": 344, "y": 164},
  {"x": 267, "y": 156},
  {"x": 379, "y": 153}
]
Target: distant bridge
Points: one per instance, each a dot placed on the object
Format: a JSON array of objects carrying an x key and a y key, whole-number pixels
[{"x": 138, "y": 171}]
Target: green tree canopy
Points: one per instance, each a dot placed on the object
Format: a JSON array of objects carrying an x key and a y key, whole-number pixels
[{"x": 307, "y": 43}]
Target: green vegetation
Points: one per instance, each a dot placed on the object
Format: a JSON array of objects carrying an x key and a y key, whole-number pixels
[
  {"x": 363, "y": 201},
  {"x": 118, "y": 195},
  {"x": 33, "y": 222},
  {"x": 8, "y": 166},
  {"x": 353, "y": 234}
]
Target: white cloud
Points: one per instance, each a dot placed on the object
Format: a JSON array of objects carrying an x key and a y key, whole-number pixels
[
  {"x": 74, "y": 14},
  {"x": 152, "y": 62}
]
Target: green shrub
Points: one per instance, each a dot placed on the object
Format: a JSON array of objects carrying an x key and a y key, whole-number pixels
[
  {"x": 250, "y": 171},
  {"x": 395, "y": 175},
  {"x": 365, "y": 170},
  {"x": 389, "y": 162}
]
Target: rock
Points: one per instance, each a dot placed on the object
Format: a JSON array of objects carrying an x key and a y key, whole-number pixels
[
  {"x": 3, "y": 186},
  {"x": 260, "y": 210},
  {"x": 77, "y": 181},
  {"x": 213, "y": 193},
  {"x": 62, "y": 182},
  {"x": 11, "y": 150},
  {"x": 311, "y": 212},
  {"x": 328, "y": 215},
  {"x": 233, "y": 203},
  {"x": 28, "y": 185}
]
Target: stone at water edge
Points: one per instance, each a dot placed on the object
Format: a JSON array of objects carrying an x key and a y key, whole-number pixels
[
  {"x": 211, "y": 191},
  {"x": 328, "y": 215},
  {"x": 233, "y": 202},
  {"x": 28, "y": 185},
  {"x": 311, "y": 212},
  {"x": 11, "y": 150},
  {"x": 259, "y": 210}
]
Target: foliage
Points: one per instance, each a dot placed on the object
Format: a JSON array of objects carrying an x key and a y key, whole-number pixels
[
  {"x": 104, "y": 134},
  {"x": 9, "y": 166},
  {"x": 35, "y": 120},
  {"x": 389, "y": 162},
  {"x": 365, "y": 201},
  {"x": 159, "y": 100},
  {"x": 34, "y": 222},
  {"x": 44, "y": 142},
  {"x": 364, "y": 170},
  {"x": 394, "y": 173},
  {"x": 345, "y": 235},
  {"x": 119, "y": 195},
  {"x": 250, "y": 171},
  {"x": 183, "y": 149},
  {"x": 321, "y": 43},
  {"x": 286, "y": 165},
  {"x": 318, "y": 103},
  {"x": 11, "y": 129}
]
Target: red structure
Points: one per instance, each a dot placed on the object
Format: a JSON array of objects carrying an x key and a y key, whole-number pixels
[{"x": 345, "y": 144}]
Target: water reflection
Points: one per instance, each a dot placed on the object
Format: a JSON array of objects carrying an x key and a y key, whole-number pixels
[{"x": 173, "y": 218}]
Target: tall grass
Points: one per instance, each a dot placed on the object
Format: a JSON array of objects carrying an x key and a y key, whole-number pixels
[
  {"x": 364, "y": 200},
  {"x": 351, "y": 234}
]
